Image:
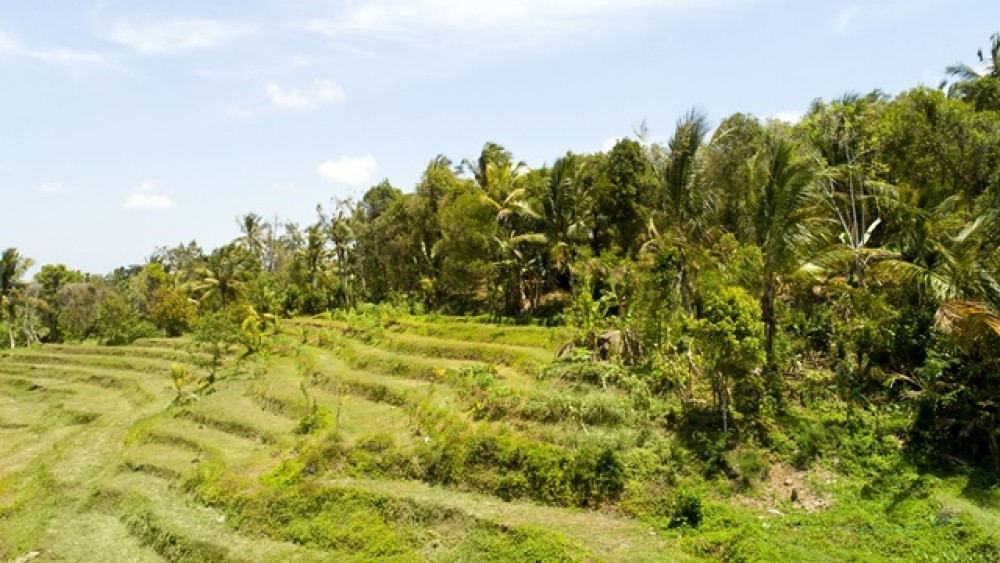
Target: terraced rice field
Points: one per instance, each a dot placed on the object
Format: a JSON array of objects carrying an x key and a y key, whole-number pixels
[{"x": 312, "y": 452}]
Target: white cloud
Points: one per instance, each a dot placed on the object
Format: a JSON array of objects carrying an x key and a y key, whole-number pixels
[
  {"x": 145, "y": 196},
  {"x": 54, "y": 188},
  {"x": 350, "y": 170},
  {"x": 792, "y": 117},
  {"x": 149, "y": 35},
  {"x": 286, "y": 188},
  {"x": 843, "y": 20},
  {"x": 299, "y": 61},
  {"x": 610, "y": 143},
  {"x": 57, "y": 55},
  {"x": 320, "y": 93},
  {"x": 497, "y": 17},
  {"x": 238, "y": 112}
]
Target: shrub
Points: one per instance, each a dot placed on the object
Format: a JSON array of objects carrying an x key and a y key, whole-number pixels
[{"x": 685, "y": 509}]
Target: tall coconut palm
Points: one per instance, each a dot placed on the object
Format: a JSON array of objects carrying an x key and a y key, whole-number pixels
[
  {"x": 782, "y": 214},
  {"x": 564, "y": 205},
  {"x": 493, "y": 156},
  {"x": 13, "y": 267},
  {"x": 253, "y": 231},
  {"x": 845, "y": 184},
  {"x": 684, "y": 205},
  {"x": 312, "y": 251},
  {"x": 223, "y": 277},
  {"x": 991, "y": 64},
  {"x": 934, "y": 250},
  {"x": 979, "y": 86},
  {"x": 340, "y": 231}
]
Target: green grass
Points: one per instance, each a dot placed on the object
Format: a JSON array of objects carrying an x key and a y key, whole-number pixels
[{"x": 399, "y": 438}]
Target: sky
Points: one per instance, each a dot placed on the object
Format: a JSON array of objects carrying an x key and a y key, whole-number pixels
[{"x": 131, "y": 125}]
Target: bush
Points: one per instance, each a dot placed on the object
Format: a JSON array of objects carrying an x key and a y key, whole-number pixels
[
  {"x": 685, "y": 509},
  {"x": 118, "y": 323}
]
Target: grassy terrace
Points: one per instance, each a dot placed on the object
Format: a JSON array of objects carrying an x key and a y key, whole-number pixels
[{"x": 418, "y": 439}]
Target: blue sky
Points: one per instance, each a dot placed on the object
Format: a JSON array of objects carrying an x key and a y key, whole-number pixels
[{"x": 127, "y": 125}]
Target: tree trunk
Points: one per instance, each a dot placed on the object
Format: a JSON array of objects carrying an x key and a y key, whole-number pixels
[
  {"x": 10, "y": 332},
  {"x": 725, "y": 408},
  {"x": 685, "y": 290},
  {"x": 769, "y": 317}
]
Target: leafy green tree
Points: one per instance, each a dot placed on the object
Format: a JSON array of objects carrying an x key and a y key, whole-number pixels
[
  {"x": 52, "y": 278},
  {"x": 465, "y": 248},
  {"x": 174, "y": 312},
  {"x": 726, "y": 175},
  {"x": 118, "y": 323},
  {"x": 728, "y": 339},
  {"x": 181, "y": 261},
  {"x": 78, "y": 304},
  {"x": 213, "y": 336},
  {"x": 922, "y": 139},
  {"x": 630, "y": 190},
  {"x": 13, "y": 267},
  {"x": 340, "y": 231}
]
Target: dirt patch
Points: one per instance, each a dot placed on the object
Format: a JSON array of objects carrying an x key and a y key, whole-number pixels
[{"x": 787, "y": 484}]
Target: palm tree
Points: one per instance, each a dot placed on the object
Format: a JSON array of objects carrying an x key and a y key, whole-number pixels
[
  {"x": 934, "y": 251},
  {"x": 845, "y": 186},
  {"x": 223, "y": 276},
  {"x": 340, "y": 230},
  {"x": 493, "y": 156},
  {"x": 313, "y": 252},
  {"x": 565, "y": 202},
  {"x": 965, "y": 73},
  {"x": 253, "y": 229},
  {"x": 683, "y": 206},
  {"x": 12, "y": 268},
  {"x": 782, "y": 217},
  {"x": 981, "y": 87},
  {"x": 512, "y": 265}
]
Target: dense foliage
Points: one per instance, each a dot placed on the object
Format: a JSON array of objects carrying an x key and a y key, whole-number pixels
[{"x": 863, "y": 240}]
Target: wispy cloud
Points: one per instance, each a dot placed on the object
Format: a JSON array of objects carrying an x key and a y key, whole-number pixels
[
  {"x": 53, "y": 188},
  {"x": 610, "y": 143},
  {"x": 55, "y": 55},
  {"x": 238, "y": 112},
  {"x": 790, "y": 116},
  {"x": 146, "y": 196},
  {"x": 320, "y": 93},
  {"x": 350, "y": 170},
  {"x": 523, "y": 18},
  {"x": 843, "y": 20},
  {"x": 150, "y": 35}
]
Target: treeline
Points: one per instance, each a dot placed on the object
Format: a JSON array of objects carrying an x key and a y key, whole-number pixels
[{"x": 863, "y": 240}]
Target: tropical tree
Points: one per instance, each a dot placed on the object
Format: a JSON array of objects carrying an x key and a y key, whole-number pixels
[
  {"x": 564, "y": 211},
  {"x": 846, "y": 183},
  {"x": 625, "y": 194},
  {"x": 253, "y": 231},
  {"x": 728, "y": 335},
  {"x": 934, "y": 250},
  {"x": 684, "y": 204},
  {"x": 13, "y": 267},
  {"x": 782, "y": 214},
  {"x": 981, "y": 86},
  {"x": 339, "y": 228},
  {"x": 223, "y": 276}
]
